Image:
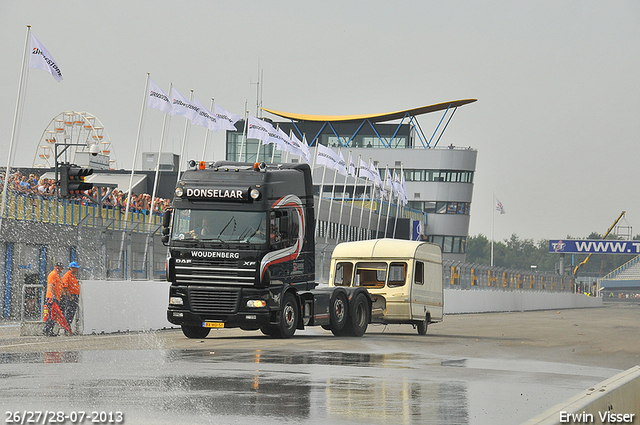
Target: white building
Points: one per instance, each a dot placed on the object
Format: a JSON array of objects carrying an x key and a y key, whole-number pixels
[{"x": 439, "y": 179}]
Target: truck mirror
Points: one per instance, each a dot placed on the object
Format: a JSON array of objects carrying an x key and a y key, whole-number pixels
[
  {"x": 166, "y": 219},
  {"x": 165, "y": 240},
  {"x": 166, "y": 230}
]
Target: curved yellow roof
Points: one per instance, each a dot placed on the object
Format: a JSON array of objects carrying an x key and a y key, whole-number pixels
[{"x": 388, "y": 116}]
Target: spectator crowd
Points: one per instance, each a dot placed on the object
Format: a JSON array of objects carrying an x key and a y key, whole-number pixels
[{"x": 34, "y": 184}]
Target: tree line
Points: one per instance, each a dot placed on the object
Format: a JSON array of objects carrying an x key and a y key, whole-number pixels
[{"x": 523, "y": 253}]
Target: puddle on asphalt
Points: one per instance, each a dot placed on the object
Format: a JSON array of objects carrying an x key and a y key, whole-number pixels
[{"x": 229, "y": 386}]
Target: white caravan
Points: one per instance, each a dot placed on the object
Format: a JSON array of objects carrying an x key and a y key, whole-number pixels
[{"x": 403, "y": 277}]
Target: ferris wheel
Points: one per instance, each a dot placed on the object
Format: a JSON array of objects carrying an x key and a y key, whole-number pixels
[{"x": 77, "y": 128}]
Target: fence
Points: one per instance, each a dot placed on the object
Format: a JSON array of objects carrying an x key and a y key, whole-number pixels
[
  {"x": 39, "y": 231},
  {"x": 72, "y": 212},
  {"x": 472, "y": 276}
]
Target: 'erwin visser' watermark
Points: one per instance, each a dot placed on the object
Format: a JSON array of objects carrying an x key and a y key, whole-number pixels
[{"x": 588, "y": 418}]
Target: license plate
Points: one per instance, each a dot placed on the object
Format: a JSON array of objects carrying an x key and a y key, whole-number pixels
[{"x": 213, "y": 324}]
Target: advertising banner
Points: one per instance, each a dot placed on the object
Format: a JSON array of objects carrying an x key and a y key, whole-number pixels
[{"x": 593, "y": 246}]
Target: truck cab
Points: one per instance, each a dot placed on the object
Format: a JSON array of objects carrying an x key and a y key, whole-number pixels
[
  {"x": 403, "y": 277},
  {"x": 241, "y": 254}
]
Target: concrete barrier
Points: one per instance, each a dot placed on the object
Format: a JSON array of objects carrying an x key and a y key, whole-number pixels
[
  {"x": 616, "y": 400},
  {"x": 484, "y": 301},
  {"x": 120, "y": 306}
]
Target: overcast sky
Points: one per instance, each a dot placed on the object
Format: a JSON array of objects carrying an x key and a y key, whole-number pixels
[{"x": 556, "y": 124}]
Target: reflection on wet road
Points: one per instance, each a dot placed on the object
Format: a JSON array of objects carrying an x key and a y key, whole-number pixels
[{"x": 228, "y": 386}]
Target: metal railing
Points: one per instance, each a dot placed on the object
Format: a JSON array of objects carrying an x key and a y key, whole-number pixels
[
  {"x": 475, "y": 276},
  {"x": 71, "y": 212}
]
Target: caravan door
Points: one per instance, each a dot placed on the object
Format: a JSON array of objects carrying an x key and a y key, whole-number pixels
[{"x": 419, "y": 297}]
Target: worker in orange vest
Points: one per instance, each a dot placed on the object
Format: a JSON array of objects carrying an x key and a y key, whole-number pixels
[
  {"x": 71, "y": 291},
  {"x": 54, "y": 294}
]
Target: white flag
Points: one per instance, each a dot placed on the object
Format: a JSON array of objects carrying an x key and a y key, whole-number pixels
[
  {"x": 158, "y": 99},
  {"x": 326, "y": 156},
  {"x": 278, "y": 138},
  {"x": 226, "y": 120},
  {"x": 397, "y": 186},
  {"x": 405, "y": 197},
  {"x": 258, "y": 129},
  {"x": 341, "y": 166},
  {"x": 205, "y": 118},
  {"x": 303, "y": 148},
  {"x": 183, "y": 106},
  {"x": 352, "y": 166},
  {"x": 365, "y": 171},
  {"x": 376, "y": 178},
  {"x": 40, "y": 58},
  {"x": 499, "y": 206},
  {"x": 389, "y": 182}
]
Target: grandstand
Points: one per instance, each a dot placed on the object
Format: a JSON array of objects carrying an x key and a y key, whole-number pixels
[{"x": 625, "y": 277}]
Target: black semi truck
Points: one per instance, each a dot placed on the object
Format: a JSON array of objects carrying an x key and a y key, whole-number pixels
[{"x": 242, "y": 254}]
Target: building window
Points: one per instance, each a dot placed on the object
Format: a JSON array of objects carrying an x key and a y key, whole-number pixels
[
  {"x": 433, "y": 207},
  {"x": 452, "y": 176},
  {"x": 449, "y": 244}
]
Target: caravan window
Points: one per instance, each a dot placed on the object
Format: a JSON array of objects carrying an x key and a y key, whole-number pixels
[
  {"x": 343, "y": 274},
  {"x": 371, "y": 275},
  {"x": 419, "y": 273},
  {"x": 397, "y": 274}
]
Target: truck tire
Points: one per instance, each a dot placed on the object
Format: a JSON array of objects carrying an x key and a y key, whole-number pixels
[
  {"x": 268, "y": 330},
  {"x": 422, "y": 327},
  {"x": 338, "y": 312},
  {"x": 359, "y": 316},
  {"x": 289, "y": 315},
  {"x": 195, "y": 332}
]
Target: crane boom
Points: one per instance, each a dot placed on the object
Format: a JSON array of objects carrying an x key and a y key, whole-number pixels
[{"x": 584, "y": 262}]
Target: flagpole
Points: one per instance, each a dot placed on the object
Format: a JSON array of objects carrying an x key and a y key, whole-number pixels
[
  {"x": 353, "y": 197},
  {"x": 364, "y": 199},
  {"x": 324, "y": 170},
  {"x": 184, "y": 140},
  {"x": 133, "y": 166},
  {"x": 492, "y": 224},
  {"x": 244, "y": 134},
  {"x": 371, "y": 205},
  {"x": 364, "y": 196},
  {"x": 260, "y": 142},
  {"x": 395, "y": 224},
  {"x": 386, "y": 221},
  {"x": 155, "y": 183},
  {"x": 333, "y": 194},
  {"x": 17, "y": 118},
  {"x": 344, "y": 188},
  {"x": 206, "y": 135},
  {"x": 273, "y": 148}
]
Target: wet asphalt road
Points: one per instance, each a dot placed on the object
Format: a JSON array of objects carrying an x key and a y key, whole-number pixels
[{"x": 499, "y": 368}]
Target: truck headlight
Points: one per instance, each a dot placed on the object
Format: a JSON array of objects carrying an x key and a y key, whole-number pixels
[
  {"x": 175, "y": 301},
  {"x": 256, "y": 303},
  {"x": 255, "y": 194},
  {"x": 179, "y": 192}
]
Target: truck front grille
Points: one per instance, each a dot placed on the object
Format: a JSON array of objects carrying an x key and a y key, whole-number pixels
[
  {"x": 214, "y": 272},
  {"x": 213, "y": 300}
]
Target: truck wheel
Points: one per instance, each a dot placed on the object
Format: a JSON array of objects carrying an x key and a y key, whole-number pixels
[
  {"x": 422, "y": 327},
  {"x": 289, "y": 315},
  {"x": 268, "y": 331},
  {"x": 359, "y": 315},
  {"x": 338, "y": 313},
  {"x": 195, "y": 332}
]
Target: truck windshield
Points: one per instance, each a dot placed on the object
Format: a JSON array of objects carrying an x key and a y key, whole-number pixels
[{"x": 219, "y": 226}]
